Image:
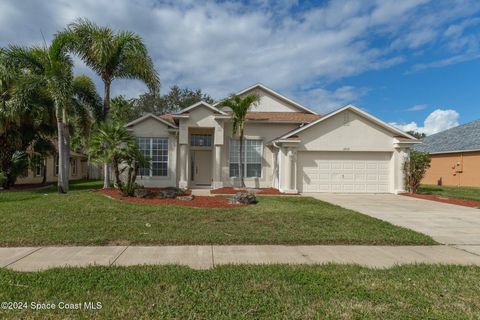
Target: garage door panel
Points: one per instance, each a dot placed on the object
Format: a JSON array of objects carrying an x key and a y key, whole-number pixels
[{"x": 363, "y": 172}]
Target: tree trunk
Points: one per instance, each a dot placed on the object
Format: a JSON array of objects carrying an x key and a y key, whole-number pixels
[
  {"x": 118, "y": 181},
  {"x": 67, "y": 151},
  {"x": 106, "y": 109},
  {"x": 106, "y": 99},
  {"x": 62, "y": 188},
  {"x": 106, "y": 176},
  {"x": 242, "y": 174}
]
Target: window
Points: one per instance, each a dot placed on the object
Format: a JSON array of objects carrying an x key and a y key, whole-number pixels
[
  {"x": 73, "y": 164},
  {"x": 38, "y": 169},
  {"x": 252, "y": 158},
  {"x": 201, "y": 140},
  {"x": 155, "y": 149}
]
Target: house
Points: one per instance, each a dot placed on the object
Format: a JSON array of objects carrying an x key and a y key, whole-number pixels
[
  {"x": 288, "y": 147},
  {"x": 455, "y": 155},
  {"x": 78, "y": 169}
]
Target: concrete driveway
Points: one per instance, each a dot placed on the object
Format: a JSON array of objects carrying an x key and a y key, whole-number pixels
[{"x": 445, "y": 223}]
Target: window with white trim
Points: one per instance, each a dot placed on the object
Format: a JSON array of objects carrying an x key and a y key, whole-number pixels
[
  {"x": 38, "y": 166},
  {"x": 252, "y": 158},
  {"x": 156, "y": 150}
]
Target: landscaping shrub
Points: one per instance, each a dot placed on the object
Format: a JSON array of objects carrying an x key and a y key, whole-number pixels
[{"x": 414, "y": 168}]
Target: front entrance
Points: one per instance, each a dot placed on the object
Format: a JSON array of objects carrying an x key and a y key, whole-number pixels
[{"x": 201, "y": 167}]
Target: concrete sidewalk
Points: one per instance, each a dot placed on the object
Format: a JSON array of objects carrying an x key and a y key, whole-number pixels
[{"x": 204, "y": 257}]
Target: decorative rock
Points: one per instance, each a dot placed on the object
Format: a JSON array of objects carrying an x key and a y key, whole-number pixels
[
  {"x": 170, "y": 192},
  {"x": 141, "y": 193},
  {"x": 244, "y": 198},
  {"x": 186, "y": 198}
]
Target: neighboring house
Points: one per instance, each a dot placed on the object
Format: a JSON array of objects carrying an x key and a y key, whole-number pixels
[
  {"x": 455, "y": 156},
  {"x": 78, "y": 169},
  {"x": 288, "y": 147}
]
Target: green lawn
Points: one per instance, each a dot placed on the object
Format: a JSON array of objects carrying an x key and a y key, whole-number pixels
[
  {"x": 468, "y": 193},
  {"x": 249, "y": 292},
  {"x": 83, "y": 217}
]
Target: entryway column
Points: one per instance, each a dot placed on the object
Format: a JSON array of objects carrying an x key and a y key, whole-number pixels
[
  {"x": 290, "y": 171},
  {"x": 217, "y": 179},
  {"x": 183, "y": 183}
]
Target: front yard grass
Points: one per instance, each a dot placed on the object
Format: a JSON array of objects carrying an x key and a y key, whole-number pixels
[
  {"x": 468, "y": 193},
  {"x": 249, "y": 292},
  {"x": 83, "y": 217}
]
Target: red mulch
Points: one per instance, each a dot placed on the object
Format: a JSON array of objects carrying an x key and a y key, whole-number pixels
[
  {"x": 197, "y": 202},
  {"x": 450, "y": 200},
  {"x": 230, "y": 190}
]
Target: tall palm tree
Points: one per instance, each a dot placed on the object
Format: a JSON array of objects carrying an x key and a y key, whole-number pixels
[
  {"x": 240, "y": 108},
  {"x": 112, "y": 55},
  {"x": 49, "y": 70}
]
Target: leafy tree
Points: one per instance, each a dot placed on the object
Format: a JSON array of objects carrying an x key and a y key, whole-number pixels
[
  {"x": 414, "y": 169},
  {"x": 240, "y": 106},
  {"x": 111, "y": 143},
  {"x": 418, "y": 135},
  {"x": 122, "y": 110},
  {"x": 112, "y": 55},
  {"x": 48, "y": 71},
  {"x": 178, "y": 99},
  {"x": 175, "y": 100}
]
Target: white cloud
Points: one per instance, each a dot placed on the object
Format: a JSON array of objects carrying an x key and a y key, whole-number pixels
[
  {"x": 325, "y": 100},
  {"x": 225, "y": 46},
  {"x": 417, "y": 107},
  {"x": 438, "y": 120}
]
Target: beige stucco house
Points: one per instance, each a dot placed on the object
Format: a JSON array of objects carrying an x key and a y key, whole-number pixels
[
  {"x": 77, "y": 168},
  {"x": 288, "y": 147}
]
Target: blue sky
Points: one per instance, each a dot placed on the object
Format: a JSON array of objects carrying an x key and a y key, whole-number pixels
[{"x": 414, "y": 63}]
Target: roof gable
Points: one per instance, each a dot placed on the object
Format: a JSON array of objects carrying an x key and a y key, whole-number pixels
[
  {"x": 150, "y": 115},
  {"x": 356, "y": 110},
  {"x": 462, "y": 138},
  {"x": 288, "y": 104},
  {"x": 202, "y": 104}
]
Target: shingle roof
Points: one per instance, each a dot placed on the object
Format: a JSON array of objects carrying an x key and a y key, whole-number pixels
[
  {"x": 462, "y": 138},
  {"x": 296, "y": 117}
]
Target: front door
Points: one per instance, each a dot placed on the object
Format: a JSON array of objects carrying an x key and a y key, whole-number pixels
[{"x": 202, "y": 167}]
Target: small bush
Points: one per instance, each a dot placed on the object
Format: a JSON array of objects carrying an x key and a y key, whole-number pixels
[{"x": 414, "y": 168}]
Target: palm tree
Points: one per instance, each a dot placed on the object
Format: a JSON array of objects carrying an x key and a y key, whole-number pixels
[
  {"x": 49, "y": 70},
  {"x": 112, "y": 143},
  {"x": 240, "y": 108},
  {"x": 112, "y": 55}
]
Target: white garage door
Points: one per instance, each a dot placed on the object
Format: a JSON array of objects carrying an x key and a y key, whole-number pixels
[{"x": 367, "y": 172}]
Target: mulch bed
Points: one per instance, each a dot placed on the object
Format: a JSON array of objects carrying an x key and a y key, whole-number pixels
[
  {"x": 450, "y": 200},
  {"x": 230, "y": 190},
  {"x": 197, "y": 202}
]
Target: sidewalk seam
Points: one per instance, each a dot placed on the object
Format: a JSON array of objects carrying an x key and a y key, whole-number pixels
[
  {"x": 23, "y": 257},
  {"x": 475, "y": 254},
  {"x": 116, "y": 258},
  {"x": 213, "y": 259}
]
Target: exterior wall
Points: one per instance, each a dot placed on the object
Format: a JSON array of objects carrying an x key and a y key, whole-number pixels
[
  {"x": 346, "y": 131},
  {"x": 32, "y": 178},
  {"x": 261, "y": 131},
  {"x": 152, "y": 128},
  {"x": 270, "y": 103},
  {"x": 454, "y": 169}
]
